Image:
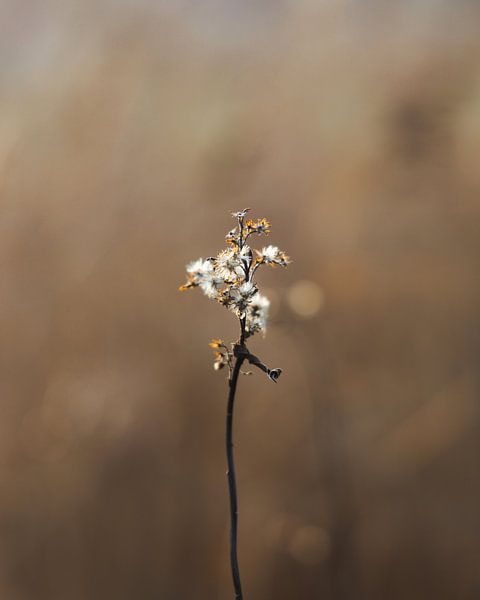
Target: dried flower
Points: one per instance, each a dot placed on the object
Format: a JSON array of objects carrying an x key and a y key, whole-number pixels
[
  {"x": 240, "y": 214},
  {"x": 232, "y": 237},
  {"x": 257, "y": 315},
  {"x": 216, "y": 344},
  {"x": 260, "y": 226},
  {"x": 201, "y": 273},
  {"x": 229, "y": 265},
  {"x": 271, "y": 255},
  {"x": 219, "y": 361},
  {"x": 241, "y": 297}
]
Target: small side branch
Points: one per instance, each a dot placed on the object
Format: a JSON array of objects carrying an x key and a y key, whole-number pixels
[{"x": 240, "y": 350}]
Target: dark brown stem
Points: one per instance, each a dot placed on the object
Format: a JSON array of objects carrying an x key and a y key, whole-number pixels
[{"x": 232, "y": 488}]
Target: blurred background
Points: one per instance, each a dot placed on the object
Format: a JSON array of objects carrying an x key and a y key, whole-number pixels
[{"x": 128, "y": 132}]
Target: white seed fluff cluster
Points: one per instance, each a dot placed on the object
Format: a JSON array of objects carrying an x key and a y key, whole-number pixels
[{"x": 229, "y": 277}]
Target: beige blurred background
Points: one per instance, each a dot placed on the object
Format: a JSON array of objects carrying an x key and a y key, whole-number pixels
[{"x": 128, "y": 132}]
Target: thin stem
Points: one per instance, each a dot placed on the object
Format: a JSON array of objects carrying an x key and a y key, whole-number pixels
[
  {"x": 240, "y": 229},
  {"x": 255, "y": 267},
  {"x": 243, "y": 333},
  {"x": 232, "y": 488}
]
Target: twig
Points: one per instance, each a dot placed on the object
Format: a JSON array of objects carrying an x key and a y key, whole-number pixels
[{"x": 228, "y": 278}]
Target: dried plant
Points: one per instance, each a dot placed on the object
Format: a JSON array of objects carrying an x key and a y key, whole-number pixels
[{"x": 229, "y": 279}]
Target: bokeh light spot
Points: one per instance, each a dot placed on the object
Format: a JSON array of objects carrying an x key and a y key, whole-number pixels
[{"x": 306, "y": 298}]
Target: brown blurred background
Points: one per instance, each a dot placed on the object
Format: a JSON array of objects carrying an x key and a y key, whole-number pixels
[{"x": 128, "y": 132}]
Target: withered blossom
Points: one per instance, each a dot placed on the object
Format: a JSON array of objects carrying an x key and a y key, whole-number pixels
[
  {"x": 219, "y": 361},
  {"x": 231, "y": 237},
  {"x": 241, "y": 214},
  {"x": 216, "y": 344},
  {"x": 271, "y": 255},
  {"x": 228, "y": 265},
  {"x": 200, "y": 273},
  {"x": 257, "y": 314},
  {"x": 260, "y": 226},
  {"x": 241, "y": 296}
]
